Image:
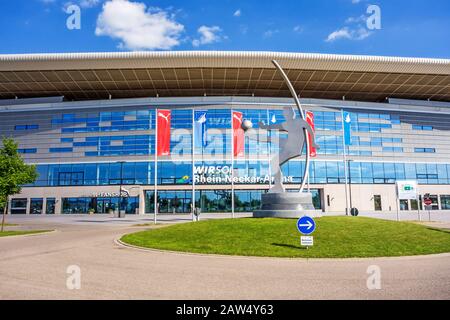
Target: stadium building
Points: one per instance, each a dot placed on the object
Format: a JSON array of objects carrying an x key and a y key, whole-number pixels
[{"x": 89, "y": 122}]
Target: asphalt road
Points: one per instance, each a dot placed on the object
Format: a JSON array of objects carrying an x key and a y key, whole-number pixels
[{"x": 35, "y": 267}]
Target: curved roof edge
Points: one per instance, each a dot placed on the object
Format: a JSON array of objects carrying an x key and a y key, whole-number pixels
[{"x": 221, "y": 59}]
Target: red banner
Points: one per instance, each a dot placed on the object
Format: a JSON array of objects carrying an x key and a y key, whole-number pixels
[
  {"x": 238, "y": 134},
  {"x": 163, "y": 123},
  {"x": 310, "y": 120}
]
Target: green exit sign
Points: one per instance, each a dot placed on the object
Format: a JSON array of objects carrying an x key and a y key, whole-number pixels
[{"x": 407, "y": 188}]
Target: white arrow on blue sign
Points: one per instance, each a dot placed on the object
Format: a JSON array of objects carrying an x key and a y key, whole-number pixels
[{"x": 306, "y": 225}]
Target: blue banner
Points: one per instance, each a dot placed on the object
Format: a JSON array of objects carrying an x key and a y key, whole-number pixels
[
  {"x": 200, "y": 127},
  {"x": 347, "y": 126}
]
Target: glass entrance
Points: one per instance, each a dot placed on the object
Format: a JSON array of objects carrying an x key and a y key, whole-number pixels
[
  {"x": 317, "y": 198},
  {"x": 210, "y": 201},
  {"x": 174, "y": 201},
  {"x": 99, "y": 205},
  {"x": 107, "y": 205},
  {"x": 178, "y": 201}
]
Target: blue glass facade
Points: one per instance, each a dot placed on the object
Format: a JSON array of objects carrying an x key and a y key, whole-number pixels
[
  {"x": 106, "y": 146},
  {"x": 172, "y": 173},
  {"x": 109, "y": 134},
  {"x": 131, "y": 133}
]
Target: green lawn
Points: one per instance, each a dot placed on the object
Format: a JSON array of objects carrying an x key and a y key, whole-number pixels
[
  {"x": 334, "y": 237},
  {"x": 21, "y": 232}
]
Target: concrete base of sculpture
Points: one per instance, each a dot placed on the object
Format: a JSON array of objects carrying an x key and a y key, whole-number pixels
[{"x": 286, "y": 205}]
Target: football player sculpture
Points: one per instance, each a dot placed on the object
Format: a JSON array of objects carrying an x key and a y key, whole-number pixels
[{"x": 278, "y": 202}]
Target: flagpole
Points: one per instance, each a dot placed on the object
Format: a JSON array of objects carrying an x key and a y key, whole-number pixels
[
  {"x": 232, "y": 165},
  {"x": 193, "y": 164},
  {"x": 307, "y": 181},
  {"x": 155, "y": 196},
  {"x": 269, "y": 151},
  {"x": 345, "y": 163}
]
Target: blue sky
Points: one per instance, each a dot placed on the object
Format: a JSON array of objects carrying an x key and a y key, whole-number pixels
[{"x": 418, "y": 28}]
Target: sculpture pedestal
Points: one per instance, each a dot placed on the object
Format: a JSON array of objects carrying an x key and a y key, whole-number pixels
[{"x": 286, "y": 205}]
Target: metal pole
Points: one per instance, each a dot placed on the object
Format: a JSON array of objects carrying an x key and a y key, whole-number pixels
[
  {"x": 419, "y": 203},
  {"x": 155, "y": 193},
  {"x": 193, "y": 165},
  {"x": 299, "y": 107},
  {"x": 398, "y": 206},
  {"x": 269, "y": 153},
  {"x": 232, "y": 166},
  {"x": 120, "y": 188},
  {"x": 350, "y": 184},
  {"x": 309, "y": 190},
  {"x": 345, "y": 164}
]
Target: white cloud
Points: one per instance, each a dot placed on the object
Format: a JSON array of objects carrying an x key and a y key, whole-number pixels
[
  {"x": 270, "y": 33},
  {"x": 88, "y": 3},
  {"x": 207, "y": 35},
  {"x": 354, "y": 30},
  {"x": 361, "y": 18},
  {"x": 137, "y": 27},
  {"x": 362, "y": 33},
  {"x": 237, "y": 13},
  {"x": 343, "y": 33},
  {"x": 85, "y": 4},
  {"x": 81, "y": 3},
  {"x": 298, "y": 29},
  {"x": 350, "y": 34}
]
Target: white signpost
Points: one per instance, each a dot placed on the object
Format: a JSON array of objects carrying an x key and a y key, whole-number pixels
[
  {"x": 306, "y": 225},
  {"x": 428, "y": 204},
  {"x": 307, "y": 241},
  {"x": 407, "y": 190}
]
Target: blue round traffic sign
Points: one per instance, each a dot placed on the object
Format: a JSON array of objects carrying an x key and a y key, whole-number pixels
[{"x": 306, "y": 225}]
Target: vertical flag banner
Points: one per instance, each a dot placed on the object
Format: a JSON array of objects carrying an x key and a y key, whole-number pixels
[
  {"x": 164, "y": 118},
  {"x": 238, "y": 134},
  {"x": 200, "y": 127},
  {"x": 310, "y": 120},
  {"x": 346, "y": 123}
]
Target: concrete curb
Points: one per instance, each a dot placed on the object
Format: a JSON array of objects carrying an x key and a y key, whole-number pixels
[
  {"x": 29, "y": 234},
  {"x": 214, "y": 255}
]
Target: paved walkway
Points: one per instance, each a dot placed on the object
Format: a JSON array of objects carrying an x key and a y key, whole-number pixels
[{"x": 34, "y": 267}]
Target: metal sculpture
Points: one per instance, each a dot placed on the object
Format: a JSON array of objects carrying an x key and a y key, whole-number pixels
[{"x": 278, "y": 202}]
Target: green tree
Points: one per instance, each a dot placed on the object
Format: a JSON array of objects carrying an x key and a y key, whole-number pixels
[{"x": 14, "y": 173}]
